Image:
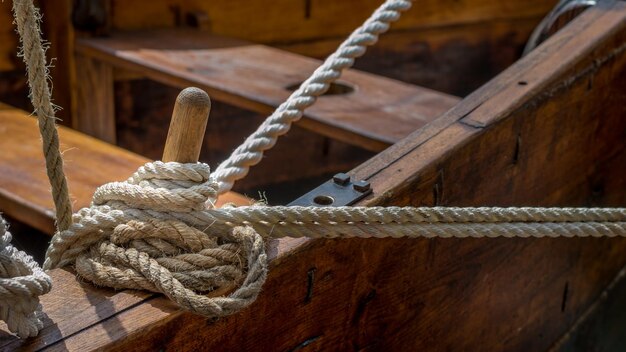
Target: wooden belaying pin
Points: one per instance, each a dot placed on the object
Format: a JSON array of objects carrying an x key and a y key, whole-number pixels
[{"x": 188, "y": 126}]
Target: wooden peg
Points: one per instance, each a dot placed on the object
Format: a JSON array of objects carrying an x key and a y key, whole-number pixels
[{"x": 187, "y": 127}]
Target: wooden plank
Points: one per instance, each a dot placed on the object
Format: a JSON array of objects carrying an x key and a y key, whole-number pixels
[
  {"x": 95, "y": 110},
  {"x": 89, "y": 163},
  {"x": 377, "y": 113},
  {"x": 59, "y": 31},
  {"x": 556, "y": 140},
  {"x": 453, "y": 59},
  {"x": 292, "y": 21},
  {"x": 8, "y": 38},
  {"x": 603, "y": 326}
]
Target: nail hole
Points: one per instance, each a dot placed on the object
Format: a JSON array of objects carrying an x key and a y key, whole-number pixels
[
  {"x": 518, "y": 145},
  {"x": 565, "y": 292},
  {"x": 309, "y": 289},
  {"x": 323, "y": 200},
  {"x": 522, "y": 83},
  {"x": 336, "y": 88}
]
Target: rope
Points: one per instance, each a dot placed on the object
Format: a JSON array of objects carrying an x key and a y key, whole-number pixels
[
  {"x": 21, "y": 283},
  {"x": 279, "y": 122},
  {"x": 153, "y": 232},
  {"x": 27, "y": 19},
  {"x": 150, "y": 233}
]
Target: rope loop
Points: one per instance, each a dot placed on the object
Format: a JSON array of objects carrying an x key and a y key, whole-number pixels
[
  {"x": 156, "y": 232},
  {"x": 149, "y": 233},
  {"x": 21, "y": 283}
]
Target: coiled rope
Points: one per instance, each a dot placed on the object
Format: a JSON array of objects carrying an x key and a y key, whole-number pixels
[
  {"x": 21, "y": 283},
  {"x": 154, "y": 232}
]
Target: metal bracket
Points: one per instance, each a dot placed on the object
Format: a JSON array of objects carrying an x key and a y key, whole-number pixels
[{"x": 339, "y": 191}]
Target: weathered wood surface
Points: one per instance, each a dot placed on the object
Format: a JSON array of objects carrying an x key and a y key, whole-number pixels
[
  {"x": 548, "y": 131},
  {"x": 58, "y": 30},
  {"x": 287, "y": 21},
  {"x": 453, "y": 59},
  {"x": 259, "y": 78},
  {"x": 603, "y": 326},
  {"x": 8, "y": 38},
  {"x": 305, "y": 20},
  {"x": 314, "y": 28},
  {"x": 89, "y": 163},
  {"x": 143, "y": 110},
  {"x": 95, "y": 107}
]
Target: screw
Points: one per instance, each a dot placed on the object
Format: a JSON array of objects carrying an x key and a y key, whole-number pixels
[
  {"x": 361, "y": 186},
  {"x": 341, "y": 179}
]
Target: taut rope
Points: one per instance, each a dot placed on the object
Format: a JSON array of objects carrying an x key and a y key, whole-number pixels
[
  {"x": 278, "y": 123},
  {"x": 154, "y": 232}
]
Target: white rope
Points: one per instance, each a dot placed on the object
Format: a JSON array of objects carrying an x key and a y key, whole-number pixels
[
  {"x": 21, "y": 283},
  {"x": 153, "y": 232},
  {"x": 251, "y": 151},
  {"x": 141, "y": 234}
]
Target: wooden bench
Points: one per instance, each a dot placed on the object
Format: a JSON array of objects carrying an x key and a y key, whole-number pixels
[
  {"x": 89, "y": 163},
  {"x": 361, "y": 109}
]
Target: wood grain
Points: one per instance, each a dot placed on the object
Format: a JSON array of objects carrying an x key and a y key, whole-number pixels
[
  {"x": 89, "y": 163},
  {"x": 187, "y": 127},
  {"x": 95, "y": 114},
  {"x": 556, "y": 139},
  {"x": 378, "y": 112},
  {"x": 58, "y": 30},
  {"x": 8, "y": 38},
  {"x": 453, "y": 59},
  {"x": 292, "y": 21}
]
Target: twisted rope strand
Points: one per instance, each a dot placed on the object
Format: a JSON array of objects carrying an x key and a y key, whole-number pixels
[
  {"x": 27, "y": 19},
  {"x": 21, "y": 283},
  {"x": 279, "y": 122},
  {"x": 127, "y": 239}
]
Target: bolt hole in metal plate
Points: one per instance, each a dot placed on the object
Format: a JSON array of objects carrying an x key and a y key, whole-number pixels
[
  {"x": 339, "y": 191},
  {"x": 323, "y": 200}
]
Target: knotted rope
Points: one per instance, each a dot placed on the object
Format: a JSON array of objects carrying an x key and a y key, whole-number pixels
[
  {"x": 21, "y": 283},
  {"x": 153, "y": 232}
]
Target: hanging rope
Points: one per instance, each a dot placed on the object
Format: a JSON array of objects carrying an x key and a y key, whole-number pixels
[
  {"x": 27, "y": 19},
  {"x": 21, "y": 283}
]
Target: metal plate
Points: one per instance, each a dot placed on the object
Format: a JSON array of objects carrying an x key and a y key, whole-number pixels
[{"x": 339, "y": 191}]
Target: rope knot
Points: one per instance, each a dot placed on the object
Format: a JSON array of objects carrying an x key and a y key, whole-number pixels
[
  {"x": 21, "y": 283},
  {"x": 162, "y": 186},
  {"x": 151, "y": 232}
]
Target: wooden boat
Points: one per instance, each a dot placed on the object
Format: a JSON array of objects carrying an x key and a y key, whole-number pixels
[{"x": 443, "y": 111}]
